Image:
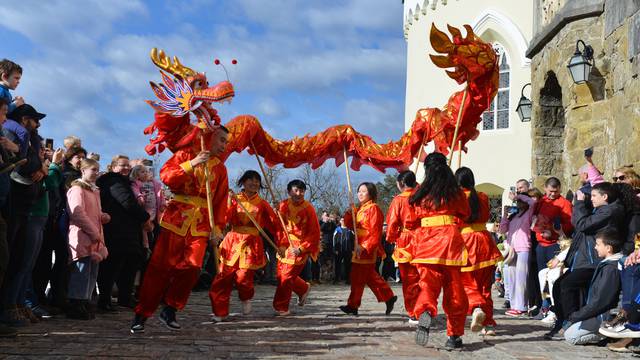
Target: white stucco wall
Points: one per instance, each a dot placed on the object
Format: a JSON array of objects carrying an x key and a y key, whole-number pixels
[{"x": 498, "y": 157}]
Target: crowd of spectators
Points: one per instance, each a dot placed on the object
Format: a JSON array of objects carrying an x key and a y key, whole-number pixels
[
  {"x": 574, "y": 265},
  {"x": 64, "y": 224}
]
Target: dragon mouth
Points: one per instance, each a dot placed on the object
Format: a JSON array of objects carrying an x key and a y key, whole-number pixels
[{"x": 220, "y": 93}]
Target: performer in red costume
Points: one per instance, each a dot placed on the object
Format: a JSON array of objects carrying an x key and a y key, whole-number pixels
[
  {"x": 304, "y": 238},
  {"x": 242, "y": 251},
  {"x": 477, "y": 276},
  {"x": 438, "y": 250},
  {"x": 401, "y": 221},
  {"x": 368, "y": 230},
  {"x": 177, "y": 257}
]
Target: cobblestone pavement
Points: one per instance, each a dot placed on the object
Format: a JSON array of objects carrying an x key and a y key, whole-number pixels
[{"x": 316, "y": 331}]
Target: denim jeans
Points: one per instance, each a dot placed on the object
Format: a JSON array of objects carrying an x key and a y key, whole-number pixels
[
  {"x": 630, "y": 277},
  {"x": 17, "y": 286},
  {"x": 82, "y": 279},
  {"x": 584, "y": 332}
]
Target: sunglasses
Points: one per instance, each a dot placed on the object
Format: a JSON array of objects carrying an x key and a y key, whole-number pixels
[{"x": 619, "y": 178}]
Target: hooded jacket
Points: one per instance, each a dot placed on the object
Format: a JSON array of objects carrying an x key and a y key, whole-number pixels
[{"x": 587, "y": 224}]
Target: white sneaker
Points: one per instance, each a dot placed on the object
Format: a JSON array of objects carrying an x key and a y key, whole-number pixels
[
  {"x": 477, "y": 318},
  {"x": 550, "y": 318},
  {"x": 413, "y": 321},
  {"x": 217, "y": 319},
  {"x": 619, "y": 332},
  {"x": 246, "y": 307}
]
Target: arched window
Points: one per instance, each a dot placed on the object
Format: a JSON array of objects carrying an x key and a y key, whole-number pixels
[{"x": 497, "y": 116}]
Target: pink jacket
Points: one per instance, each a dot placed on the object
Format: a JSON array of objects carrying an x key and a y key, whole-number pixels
[
  {"x": 161, "y": 203},
  {"x": 518, "y": 229},
  {"x": 85, "y": 222}
]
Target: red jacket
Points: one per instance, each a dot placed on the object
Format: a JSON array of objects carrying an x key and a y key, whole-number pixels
[
  {"x": 244, "y": 243},
  {"x": 547, "y": 211},
  {"x": 369, "y": 232},
  {"x": 438, "y": 239},
  {"x": 188, "y": 210},
  {"x": 481, "y": 248},
  {"x": 304, "y": 231},
  {"x": 401, "y": 221}
]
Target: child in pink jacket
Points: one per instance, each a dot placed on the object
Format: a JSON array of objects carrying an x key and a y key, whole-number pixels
[
  {"x": 150, "y": 195},
  {"x": 86, "y": 239}
]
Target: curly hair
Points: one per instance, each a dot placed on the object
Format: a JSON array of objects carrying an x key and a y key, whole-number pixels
[{"x": 627, "y": 196}]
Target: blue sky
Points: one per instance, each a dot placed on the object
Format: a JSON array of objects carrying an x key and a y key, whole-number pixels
[{"x": 303, "y": 66}]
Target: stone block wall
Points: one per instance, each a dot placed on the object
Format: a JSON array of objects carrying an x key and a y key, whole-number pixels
[{"x": 605, "y": 113}]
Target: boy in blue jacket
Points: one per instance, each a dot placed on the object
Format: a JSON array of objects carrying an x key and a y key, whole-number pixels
[{"x": 603, "y": 294}]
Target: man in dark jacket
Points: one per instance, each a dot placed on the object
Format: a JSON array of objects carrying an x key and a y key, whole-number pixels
[
  {"x": 568, "y": 290},
  {"x": 603, "y": 293},
  {"x": 123, "y": 234},
  {"x": 343, "y": 239}
]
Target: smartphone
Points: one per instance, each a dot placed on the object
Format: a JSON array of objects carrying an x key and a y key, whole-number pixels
[
  {"x": 48, "y": 143},
  {"x": 513, "y": 189}
]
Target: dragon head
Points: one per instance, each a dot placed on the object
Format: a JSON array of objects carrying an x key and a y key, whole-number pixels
[
  {"x": 187, "y": 91},
  {"x": 474, "y": 62}
]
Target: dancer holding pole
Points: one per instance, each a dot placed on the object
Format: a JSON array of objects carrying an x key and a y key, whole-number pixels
[
  {"x": 242, "y": 250},
  {"x": 366, "y": 222},
  {"x": 401, "y": 222},
  {"x": 185, "y": 227},
  {"x": 299, "y": 241}
]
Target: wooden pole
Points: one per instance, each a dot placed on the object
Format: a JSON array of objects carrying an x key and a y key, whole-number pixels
[
  {"x": 207, "y": 177},
  {"x": 415, "y": 171},
  {"x": 353, "y": 210},
  {"x": 273, "y": 196},
  {"x": 455, "y": 133},
  {"x": 255, "y": 223},
  {"x": 459, "y": 154}
]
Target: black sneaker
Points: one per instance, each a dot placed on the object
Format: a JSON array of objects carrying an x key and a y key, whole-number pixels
[
  {"x": 106, "y": 308},
  {"x": 453, "y": 342},
  {"x": 77, "y": 310},
  {"x": 422, "y": 332},
  {"x": 553, "y": 333},
  {"x": 168, "y": 318},
  {"x": 137, "y": 327},
  {"x": 348, "y": 310},
  {"x": 506, "y": 305},
  {"x": 390, "y": 304}
]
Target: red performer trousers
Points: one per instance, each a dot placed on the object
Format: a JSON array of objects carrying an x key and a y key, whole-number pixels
[
  {"x": 288, "y": 281},
  {"x": 221, "y": 287},
  {"x": 454, "y": 300},
  {"x": 365, "y": 275},
  {"x": 172, "y": 272},
  {"x": 410, "y": 286},
  {"x": 477, "y": 285}
]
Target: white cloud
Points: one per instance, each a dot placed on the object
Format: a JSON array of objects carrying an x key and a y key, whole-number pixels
[
  {"x": 382, "y": 120},
  {"x": 272, "y": 108}
]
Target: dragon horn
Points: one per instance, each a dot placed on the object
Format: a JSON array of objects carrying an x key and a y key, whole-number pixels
[
  {"x": 441, "y": 61},
  {"x": 470, "y": 35},
  {"x": 440, "y": 41},
  {"x": 454, "y": 31},
  {"x": 161, "y": 60}
]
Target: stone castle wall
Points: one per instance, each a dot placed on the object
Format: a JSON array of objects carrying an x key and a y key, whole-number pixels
[{"x": 605, "y": 113}]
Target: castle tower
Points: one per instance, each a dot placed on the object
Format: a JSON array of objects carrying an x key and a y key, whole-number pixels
[{"x": 502, "y": 153}]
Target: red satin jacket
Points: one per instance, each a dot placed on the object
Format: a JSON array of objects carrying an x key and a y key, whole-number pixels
[
  {"x": 244, "y": 243},
  {"x": 481, "y": 248},
  {"x": 369, "y": 232},
  {"x": 187, "y": 212},
  {"x": 304, "y": 231},
  {"x": 440, "y": 244},
  {"x": 401, "y": 221}
]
